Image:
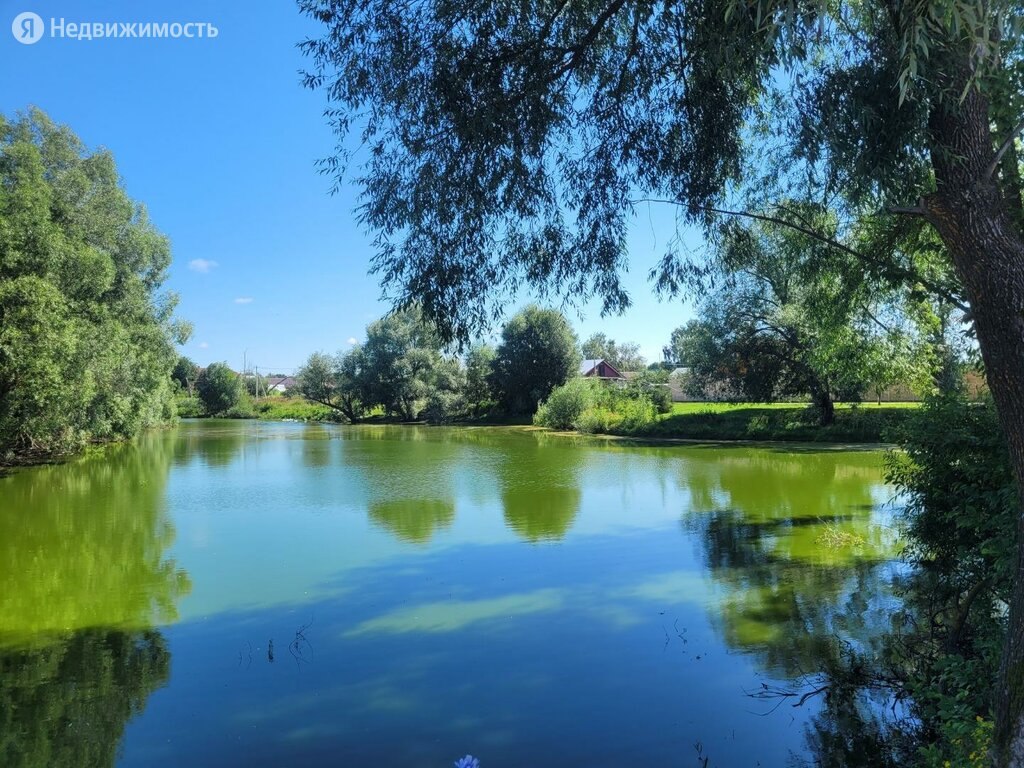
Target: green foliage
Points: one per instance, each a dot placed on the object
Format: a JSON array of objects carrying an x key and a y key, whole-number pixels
[
  {"x": 336, "y": 382},
  {"x": 188, "y": 406},
  {"x": 535, "y": 126},
  {"x": 401, "y": 360},
  {"x": 793, "y": 317},
  {"x": 653, "y": 385},
  {"x": 86, "y": 336},
  {"x": 446, "y": 398},
  {"x": 479, "y": 396},
  {"x": 184, "y": 374},
  {"x": 597, "y": 420},
  {"x": 537, "y": 353},
  {"x": 219, "y": 388},
  {"x": 597, "y": 407},
  {"x": 959, "y": 532},
  {"x": 242, "y": 409},
  {"x": 280, "y": 408},
  {"x": 636, "y": 414},
  {"x": 565, "y": 405}
]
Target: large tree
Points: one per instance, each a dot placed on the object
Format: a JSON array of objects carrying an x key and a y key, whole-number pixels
[
  {"x": 538, "y": 352},
  {"x": 86, "y": 335},
  {"x": 402, "y": 359},
  {"x": 792, "y": 316},
  {"x": 335, "y": 381},
  {"x": 509, "y": 142}
]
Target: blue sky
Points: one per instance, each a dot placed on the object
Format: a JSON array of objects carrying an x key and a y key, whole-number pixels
[{"x": 218, "y": 138}]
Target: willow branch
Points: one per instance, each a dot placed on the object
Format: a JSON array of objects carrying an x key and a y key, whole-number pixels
[
  {"x": 906, "y": 274},
  {"x": 1003, "y": 149}
]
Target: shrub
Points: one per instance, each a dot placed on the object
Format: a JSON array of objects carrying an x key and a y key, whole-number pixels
[
  {"x": 959, "y": 534},
  {"x": 653, "y": 386},
  {"x": 597, "y": 420},
  {"x": 219, "y": 388},
  {"x": 636, "y": 415},
  {"x": 566, "y": 404},
  {"x": 242, "y": 409},
  {"x": 189, "y": 407}
]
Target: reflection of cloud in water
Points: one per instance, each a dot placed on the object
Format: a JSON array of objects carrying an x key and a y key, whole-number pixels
[
  {"x": 455, "y": 615},
  {"x": 674, "y": 587}
]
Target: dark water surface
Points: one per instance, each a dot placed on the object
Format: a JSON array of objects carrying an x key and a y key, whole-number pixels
[{"x": 534, "y": 600}]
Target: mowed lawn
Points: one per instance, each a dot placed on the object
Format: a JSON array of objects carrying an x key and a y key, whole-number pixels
[
  {"x": 854, "y": 422},
  {"x": 709, "y": 407}
]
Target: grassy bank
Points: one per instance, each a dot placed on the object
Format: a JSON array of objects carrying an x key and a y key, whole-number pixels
[{"x": 860, "y": 422}]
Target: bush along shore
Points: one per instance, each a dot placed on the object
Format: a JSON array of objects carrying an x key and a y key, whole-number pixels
[{"x": 592, "y": 408}]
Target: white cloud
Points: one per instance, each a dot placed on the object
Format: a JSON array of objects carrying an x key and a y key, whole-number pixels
[
  {"x": 243, "y": 300},
  {"x": 203, "y": 345},
  {"x": 201, "y": 265},
  {"x": 352, "y": 340}
]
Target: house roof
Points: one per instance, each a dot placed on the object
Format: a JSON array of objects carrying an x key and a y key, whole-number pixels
[
  {"x": 286, "y": 382},
  {"x": 587, "y": 367}
]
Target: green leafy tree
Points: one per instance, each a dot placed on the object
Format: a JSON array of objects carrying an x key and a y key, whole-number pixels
[
  {"x": 219, "y": 388},
  {"x": 335, "y": 382},
  {"x": 791, "y": 318},
  {"x": 446, "y": 398},
  {"x": 625, "y": 356},
  {"x": 479, "y": 395},
  {"x": 185, "y": 374},
  {"x": 400, "y": 360},
  {"x": 86, "y": 335},
  {"x": 509, "y": 146},
  {"x": 538, "y": 352}
]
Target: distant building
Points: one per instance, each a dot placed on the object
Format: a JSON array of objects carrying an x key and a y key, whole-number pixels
[
  {"x": 600, "y": 369},
  {"x": 281, "y": 383}
]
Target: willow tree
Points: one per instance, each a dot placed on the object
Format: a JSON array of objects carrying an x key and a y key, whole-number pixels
[
  {"x": 509, "y": 142},
  {"x": 87, "y": 333}
]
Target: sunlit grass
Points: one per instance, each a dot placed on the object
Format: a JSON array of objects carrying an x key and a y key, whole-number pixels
[{"x": 711, "y": 407}]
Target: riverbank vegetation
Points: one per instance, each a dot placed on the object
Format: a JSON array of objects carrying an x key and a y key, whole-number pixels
[{"x": 87, "y": 334}]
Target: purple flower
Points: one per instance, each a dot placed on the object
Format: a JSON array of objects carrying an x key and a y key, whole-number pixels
[{"x": 467, "y": 762}]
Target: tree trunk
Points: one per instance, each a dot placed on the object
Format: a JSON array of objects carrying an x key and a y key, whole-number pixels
[
  {"x": 970, "y": 214},
  {"x": 826, "y": 408}
]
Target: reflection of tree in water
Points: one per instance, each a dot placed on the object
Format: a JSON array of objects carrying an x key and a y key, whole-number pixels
[
  {"x": 66, "y": 703},
  {"x": 411, "y": 475},
  {"x": 408, "y": 478},
  {"x": 413, "y": 520},
  {"x": 84, "y": 544},
  {"x": 788, "y": 611},
  {"x": 217, "y": 443},
  {"x": 84, "y": 575},
  {"x": 850, "y": 732},
  {"x": 540, "y": 487},
  {"x": 540, "y": 513},
  {"x": 799, "y": 563}
]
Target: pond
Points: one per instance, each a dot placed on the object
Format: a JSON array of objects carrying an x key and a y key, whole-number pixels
[{"x": 269, "y": 594}]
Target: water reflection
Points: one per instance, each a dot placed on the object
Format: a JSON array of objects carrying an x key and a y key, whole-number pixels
[
  {"x": 66, "y": 704},
  {"x": 84, "y": 576},
  {"x": 540, "y": 489},
  {"x": 84, "y": 545},
  {"x": 409, "y": 479},
  {"x": 413, "y": 520},
  {"x": 793, "y": 544},
  {"x": 215, "y": 442},
  {"x": 436, "y": 630}
]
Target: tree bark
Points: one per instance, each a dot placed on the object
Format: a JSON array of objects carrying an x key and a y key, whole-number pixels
[{"x": 971, "y": 215}]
